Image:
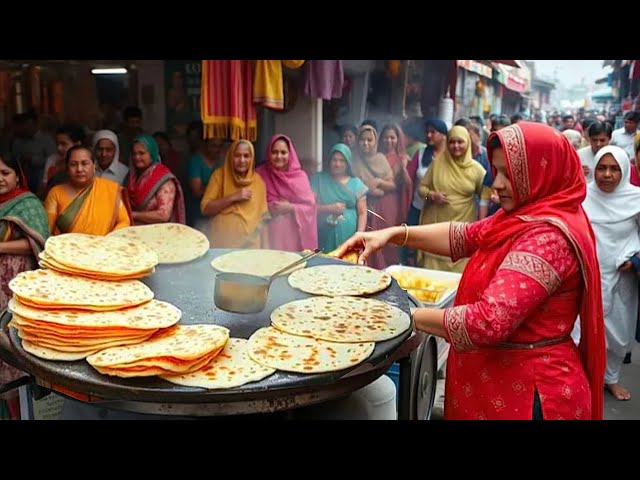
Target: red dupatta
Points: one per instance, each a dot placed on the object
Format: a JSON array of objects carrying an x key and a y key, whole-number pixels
[{"x": 548, "y": 187}]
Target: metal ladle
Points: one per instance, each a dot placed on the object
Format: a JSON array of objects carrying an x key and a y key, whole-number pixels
[{"x": 244, "y": 293}]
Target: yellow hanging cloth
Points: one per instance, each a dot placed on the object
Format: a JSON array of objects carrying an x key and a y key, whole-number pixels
[{"x": 267, "y": 85}]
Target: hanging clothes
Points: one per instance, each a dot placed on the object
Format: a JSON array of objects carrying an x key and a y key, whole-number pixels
[
  {"x": 268, "y": 89},
  {"x": 323, "y": 79},
  {"x": 226, "y": 101}
]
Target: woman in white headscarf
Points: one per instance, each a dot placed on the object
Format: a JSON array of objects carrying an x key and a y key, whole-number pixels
[
  {"x": 613, "y": 207},
  {"x": 107, "y": 152}
]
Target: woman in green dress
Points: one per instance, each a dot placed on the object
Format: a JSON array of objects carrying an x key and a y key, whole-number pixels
[{"x": 341, "y": 199}]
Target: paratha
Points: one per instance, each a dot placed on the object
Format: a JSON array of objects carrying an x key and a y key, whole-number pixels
[
  {"x": 341, "y": 319},
  {"x": 93, "y": 253},
  {"x": 292, "y": 353},
  {"x": 47, "y": 288},
  {"x": 339, "y": 280},
  {"x": 231, "y": 368},
  {"x": 256, "y": 262},
  {"x": 51, "y": 354},
  {"x": 172, "y": 242},
  {"x": 182, "y": 342},
  {"x": 151, "y": 315}
]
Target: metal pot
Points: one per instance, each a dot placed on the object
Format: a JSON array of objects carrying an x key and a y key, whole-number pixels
[{"x": 244, "y": 293}]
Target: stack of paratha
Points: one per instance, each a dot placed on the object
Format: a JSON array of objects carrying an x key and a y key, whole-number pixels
[
  {"x": 99, "y": 258},
  {"x": 68, "y": 335},
  {"x": 68, "y": 318},
  {"x": 172, "y": 242},
  {"x": 179, "y": 350}
]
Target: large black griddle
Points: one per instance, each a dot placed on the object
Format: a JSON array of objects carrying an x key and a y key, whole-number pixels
[{"x": 189, "y": 286}]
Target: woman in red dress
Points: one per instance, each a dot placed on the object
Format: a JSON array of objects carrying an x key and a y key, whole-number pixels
[{"x": 532, "y": 270}]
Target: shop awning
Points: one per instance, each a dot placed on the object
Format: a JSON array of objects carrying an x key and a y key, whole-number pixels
[
  {"x": 477, "y": 67},
  {"x": 510, "y": 63},
  {"x": 603, "y": 94}
]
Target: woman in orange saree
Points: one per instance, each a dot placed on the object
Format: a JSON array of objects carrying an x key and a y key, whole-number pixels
[
  {"x": 532, "y": 269},
  {"x": 85, "y": 203}
]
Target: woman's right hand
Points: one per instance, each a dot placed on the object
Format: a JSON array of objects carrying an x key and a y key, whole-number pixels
[
  {"x": 438, "y": 198},
  {"x": 365, "y": 243},
  {"x": 338, "y": 208},
  {"x": 243, "y": 194}
]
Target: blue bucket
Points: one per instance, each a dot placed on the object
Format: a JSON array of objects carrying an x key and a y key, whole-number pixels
[{"x": 394, "y": 374}]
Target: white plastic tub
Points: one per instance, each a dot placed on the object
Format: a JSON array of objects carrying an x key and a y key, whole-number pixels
[{"x": 435, "y": 275}]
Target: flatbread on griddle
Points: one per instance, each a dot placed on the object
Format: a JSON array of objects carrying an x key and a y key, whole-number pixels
[
  {"x": 292, "y": 353},
  {"x": 338, "y": 280},
  {"x": 341, "y": 319}
]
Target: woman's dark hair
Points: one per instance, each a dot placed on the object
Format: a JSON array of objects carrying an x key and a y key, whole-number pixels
[
  {"x": 78, "y": 147},
  {"x": 494, "y": 142},
  {"x": 74, "y": 132},
  {"x": 13, "y": 162},
  {"x": 475, "y": 127},
  {"x": 501, "y": 121},
  {"x": 597, "y": 128},
  {"x": 587, "y": 122},
  {"x": 163, "y": 136},
  {"x": 371, "y": 123},
  {"x": 515, "y": 118},
  {"x": 462, "y": 122},
  {"x": 349, "y": 128}
]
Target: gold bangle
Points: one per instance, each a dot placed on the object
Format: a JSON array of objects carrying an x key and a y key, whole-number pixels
[{"x": 406, "y": 234}]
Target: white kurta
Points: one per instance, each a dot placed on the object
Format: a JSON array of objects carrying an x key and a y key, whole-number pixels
[{"x": 615, "y": 218}]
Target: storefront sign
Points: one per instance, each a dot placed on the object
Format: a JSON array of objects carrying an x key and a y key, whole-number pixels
[{"x": 476, "y": 67}]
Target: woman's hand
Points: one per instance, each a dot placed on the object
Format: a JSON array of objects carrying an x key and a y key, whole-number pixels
[
  {"x": 338, "y": 208},
  {"x": 626, "y": 267},
  {"x": 373, "y": 183},
  {"x": 366, "y": 243},
  {"x": 243, "y": 195},
  {"x": 282, "y": 207},
  {"x": 438, "y": 198}
]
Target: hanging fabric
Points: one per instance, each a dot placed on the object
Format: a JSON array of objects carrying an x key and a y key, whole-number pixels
[
  {"x": 226, "y": 101},
  {"x": 268, "y": 89}
]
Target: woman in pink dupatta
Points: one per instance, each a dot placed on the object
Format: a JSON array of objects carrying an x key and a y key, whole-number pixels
[
  {"x": 292, "y": 203},
  {"x": 393, "y": 144},
  {"x": 389, "y": 195}
]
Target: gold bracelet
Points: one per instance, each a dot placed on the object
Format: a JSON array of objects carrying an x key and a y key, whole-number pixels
[{"x": 406, "y": 234}]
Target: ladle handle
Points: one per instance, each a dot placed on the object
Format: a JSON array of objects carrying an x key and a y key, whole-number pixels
[{"x": 296, "y": 263}]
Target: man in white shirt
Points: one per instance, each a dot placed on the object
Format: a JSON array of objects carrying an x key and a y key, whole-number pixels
[
  {"x": 107, "y": 151},
  {"x": 623, "y": 137},
  {"x": 599, "y": 135}
]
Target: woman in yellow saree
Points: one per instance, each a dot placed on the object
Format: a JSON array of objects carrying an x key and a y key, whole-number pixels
[
  {"x": 236, "y": 201},
  {"x": 450, "y": 187},
  {"x": 85, "y": 203}
]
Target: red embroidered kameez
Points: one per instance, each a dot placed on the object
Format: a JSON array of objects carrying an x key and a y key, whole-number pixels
[{"x": 530, "y": 273}]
